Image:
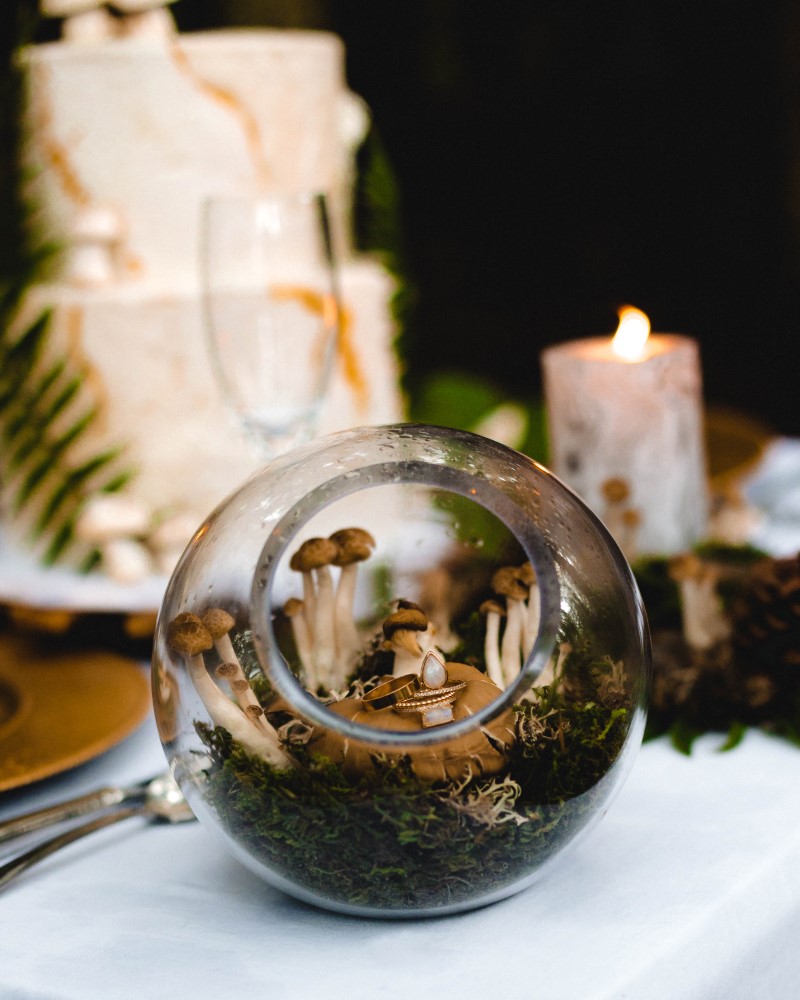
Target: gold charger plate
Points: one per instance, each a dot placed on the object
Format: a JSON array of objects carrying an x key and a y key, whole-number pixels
[
  {"x": 60, "y": 709},
  {"x": 735, "y": 444}
]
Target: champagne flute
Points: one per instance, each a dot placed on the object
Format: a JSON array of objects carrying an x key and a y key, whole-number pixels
[{"x": 271, "y": 311}]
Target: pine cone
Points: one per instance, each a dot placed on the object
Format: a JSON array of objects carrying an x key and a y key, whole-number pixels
[{"x": 765, "y": 614}]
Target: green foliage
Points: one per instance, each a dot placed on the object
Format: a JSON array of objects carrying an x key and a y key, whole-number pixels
[
  {"x": 462, "y": 400},
  {"x": 41, "y": 423}
]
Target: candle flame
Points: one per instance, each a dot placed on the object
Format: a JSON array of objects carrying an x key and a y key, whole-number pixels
[{"x": 632, "y": 333}]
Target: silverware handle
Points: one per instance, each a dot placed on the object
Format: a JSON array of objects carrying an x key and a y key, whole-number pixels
[
  {"x": 72, "y": 809},
  {"x": 12, "y": 868}
]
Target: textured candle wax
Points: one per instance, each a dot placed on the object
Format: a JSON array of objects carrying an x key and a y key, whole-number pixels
[{"x": 628, "y": 437}]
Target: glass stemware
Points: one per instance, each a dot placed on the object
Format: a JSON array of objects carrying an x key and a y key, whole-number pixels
[{"x": 271, "y": 311}]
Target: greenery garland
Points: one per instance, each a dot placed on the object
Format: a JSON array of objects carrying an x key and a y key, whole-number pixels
[{"x": 750, "y": 675}]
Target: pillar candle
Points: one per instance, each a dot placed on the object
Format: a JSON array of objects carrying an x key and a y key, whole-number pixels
[{"x": 625, "y": 423}]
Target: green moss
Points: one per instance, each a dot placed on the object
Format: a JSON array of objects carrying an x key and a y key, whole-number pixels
[{"x": 393, "y": 841}]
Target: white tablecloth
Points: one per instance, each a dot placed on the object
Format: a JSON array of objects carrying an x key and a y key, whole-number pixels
[{"x": 689, "y": 889}]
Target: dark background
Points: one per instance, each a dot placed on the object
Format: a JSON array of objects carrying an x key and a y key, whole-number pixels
[{"x": 557, "y": 159}]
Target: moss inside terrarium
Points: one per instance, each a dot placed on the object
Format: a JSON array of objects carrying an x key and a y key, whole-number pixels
[{"x": 392, "y": 841}]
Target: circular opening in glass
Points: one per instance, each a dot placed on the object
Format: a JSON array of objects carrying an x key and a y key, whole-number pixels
[{"x": 440, "y": 535}]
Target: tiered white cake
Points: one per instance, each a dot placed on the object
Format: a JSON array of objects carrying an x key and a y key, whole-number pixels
[{"x": 126, "y": 136}]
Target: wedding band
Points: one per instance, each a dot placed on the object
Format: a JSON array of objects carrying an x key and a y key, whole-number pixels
[
  {"x": 427, "y": 697},
  {"x": 430, "y": 698},
  {"x": 391, "y": 692}
]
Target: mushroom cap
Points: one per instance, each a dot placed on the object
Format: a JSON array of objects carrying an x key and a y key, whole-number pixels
[
  {"x": 410, "y": 619},
  {"x": 615, "y": 489},
  {"x": 686, "y": 566},
  {"x": 188, "y": 636},
  {"x": 353, "y": 545},
  {"x": 477, "y": 753},
  {"x": 313, "y": 553},
  {"x": 403, "y": 603},
  {"x": 506, "y": 582},
  {"x": 526, "y": 574},
  {"x": 294, "y": 606},
  {"x": 218, "y": 622},
  {"x": 492, "y": 607}
]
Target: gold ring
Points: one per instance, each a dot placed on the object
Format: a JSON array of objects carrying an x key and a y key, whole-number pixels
[
  {"x": 430, "y": 699},
  {"x": 391, "y": 692}
]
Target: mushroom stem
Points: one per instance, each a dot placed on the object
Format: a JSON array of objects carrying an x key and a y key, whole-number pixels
[
  {"x": 244, "y": 694},
  {"x": 224, "y": 713},
  {"x": 408, "y": 653},
  {"x": 294, "y": 611},
  {"x": 353, "y": 545},
  {"x": 189, "y": 637},
  {"x": 347, "y": 637},
  {"x": 511, "y": 643},
  {"x": 491, "y": 642},
  {"x": 309, "y": 603},
  {"x": 553, "y": 669},
  {"x": 533, "y": 614},
  {"x": 704, "y": 621},
  {"x": 324, "y": 634}
]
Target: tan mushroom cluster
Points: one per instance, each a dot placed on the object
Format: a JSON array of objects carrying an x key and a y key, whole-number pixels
[
  {"x": 512, "y": 622},
  {"x": 481, "y": 753},
  {"x": 326, "y": 634},
  {"x": 191, "y": 637}
]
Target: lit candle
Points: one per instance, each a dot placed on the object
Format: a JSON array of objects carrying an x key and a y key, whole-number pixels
[{"x": 625, "y": 423}]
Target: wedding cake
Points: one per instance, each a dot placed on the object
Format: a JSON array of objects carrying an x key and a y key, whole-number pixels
[{"x": 128, "y": 126}]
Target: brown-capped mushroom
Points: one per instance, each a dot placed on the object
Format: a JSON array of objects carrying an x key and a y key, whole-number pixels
[
  {"x": 354, "y": 545},
  {"x": 493, "y": 612},
  {"x": 402, "y": 631},
  {"x": 703, "y": 617},
  {"x": 219, "y": 624},
  {"x": 506, "y": 583},
  {"x": 293, "y": 609},
  {"x": 188, "y": 636},
  {"x": 315, "y": 556}
]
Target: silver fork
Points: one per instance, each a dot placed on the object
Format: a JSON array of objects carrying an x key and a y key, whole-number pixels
[
  {"x": 82, "y": 805},
  {"x": 159, "y": 798}
]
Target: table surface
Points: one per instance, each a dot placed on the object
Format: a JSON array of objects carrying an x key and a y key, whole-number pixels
[{"x": 688, "y": 889}]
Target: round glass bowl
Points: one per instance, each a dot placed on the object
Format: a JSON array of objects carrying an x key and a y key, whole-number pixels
[{"x": 400, "y": 670}]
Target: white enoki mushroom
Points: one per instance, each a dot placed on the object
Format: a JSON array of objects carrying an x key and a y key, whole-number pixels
[
  {"x": 526, "y": 574},
  {"x": 704, "y": 621},
  {"x": 554, "y": 667},
  {"x": 354, "y": 545},
  {"x": 188, "y": 636},
  {"x": 506, "y": 583},
  {"x": 293, "y": 609},
  {"x": 493, "y": 611}
]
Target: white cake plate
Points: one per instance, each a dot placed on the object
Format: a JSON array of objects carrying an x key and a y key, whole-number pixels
[{"x": 26, "y": 583}]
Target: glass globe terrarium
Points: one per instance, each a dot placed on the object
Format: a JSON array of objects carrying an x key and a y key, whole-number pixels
[{"x": 400, "y": 670}]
